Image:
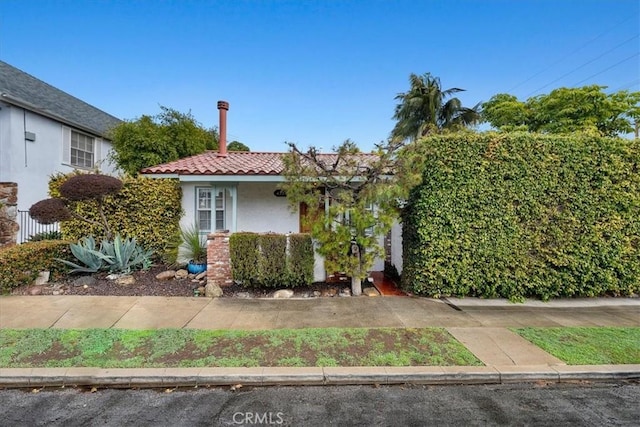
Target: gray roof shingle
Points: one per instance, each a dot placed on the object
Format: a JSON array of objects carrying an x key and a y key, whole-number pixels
[{"x": 18, "y": 87}]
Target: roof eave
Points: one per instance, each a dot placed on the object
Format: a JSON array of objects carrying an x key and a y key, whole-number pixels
[{"x": 10, "y": 99}]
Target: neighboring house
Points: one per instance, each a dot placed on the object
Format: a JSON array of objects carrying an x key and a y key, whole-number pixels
[
  {"x": 44, "y": 130},
  {"x": 238, "y": 191}
]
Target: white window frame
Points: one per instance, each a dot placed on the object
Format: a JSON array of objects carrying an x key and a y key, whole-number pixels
[
  {"x": 213, "y": 208},
  {"x": 67, "y": 147}
]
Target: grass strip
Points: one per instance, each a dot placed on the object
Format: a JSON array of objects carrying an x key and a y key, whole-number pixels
[
  {"x": 587, "y": 345},
  {"x": 118, "y": 348}
]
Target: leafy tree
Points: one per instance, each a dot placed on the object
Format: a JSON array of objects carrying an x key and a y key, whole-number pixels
[
  {"x": 567, "y": 110},
  {"x": 85, "y": 187},
  {"x": 349, "y": 198},
  {"x": 425, "y": 109},
  {"x": 237, "y": 146},
  {"x": 151, "y": 140}
]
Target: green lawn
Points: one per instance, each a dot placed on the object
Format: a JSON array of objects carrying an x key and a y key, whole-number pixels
[
  {"x": 117, "y": 348},
  {"x": 587, "y": 346}
]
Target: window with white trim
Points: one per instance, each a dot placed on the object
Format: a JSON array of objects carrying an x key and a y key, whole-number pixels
[
  {"x": 82, "y": 150},
  {"x": 211, "y": 209}
]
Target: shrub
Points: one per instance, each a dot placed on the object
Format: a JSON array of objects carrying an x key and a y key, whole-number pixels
[
  {"x": 524, "y": 215},
  {"x": 20, "y": 264},
  {"x": 271, "y": 260},
  {"x": 300, "y": 261},
  {"x": 46, "y": 235},
  {"x": 49, "y": 211},
  {"x": 89, "y": 187},
  {"x": 147, "y": 209},
  {"x": 272, "y": 266},
  {"x": 244, "y": 252}
]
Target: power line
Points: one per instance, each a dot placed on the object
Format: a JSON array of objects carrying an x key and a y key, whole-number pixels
[
  {"x": 626, "y": 86},
  {"x": 584, "y": 65},
  {"x": 563, "y": 58},
  {"x": 608, "y": 68}
]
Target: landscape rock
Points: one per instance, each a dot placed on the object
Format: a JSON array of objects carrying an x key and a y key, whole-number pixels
[
  {"x": 331, "y": 292},
  {"x": 243, "y": 295},
  {"x": 212, "y": 291},
  {"x": 371, "y": 292},
  {"x": 113, "y": 276},
  {"x": 283, "y": 293},
  {"x": 84, "y": 281},
  {"x": 166, "y": 275},
  {"x": 55, "y": 293},
  {"x": 43, "y": 277},
  {"x": 125, "y": 280},
  {"x": 201, "y": 276},
  {"x": 345, "y": 292},
  {"x": 182, "y": 274},
  {"x": 317, "y": 294},
  {"x": 35, "y": 291}
]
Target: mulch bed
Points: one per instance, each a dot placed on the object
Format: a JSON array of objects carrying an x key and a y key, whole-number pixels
[{"x": 146, "y": 284}]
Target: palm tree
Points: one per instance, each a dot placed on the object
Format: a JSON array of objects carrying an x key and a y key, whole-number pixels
[{"x": 423, "y": 110}]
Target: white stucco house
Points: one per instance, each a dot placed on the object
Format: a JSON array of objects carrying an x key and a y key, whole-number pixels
[
  {"x": 238, "y": 191},
  {"x": 44, "y": 130}
]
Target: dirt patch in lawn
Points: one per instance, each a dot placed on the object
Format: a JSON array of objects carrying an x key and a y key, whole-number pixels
[{"x": 192, "y": 348}]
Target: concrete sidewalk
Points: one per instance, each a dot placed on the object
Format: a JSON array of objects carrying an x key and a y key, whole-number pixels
[{"x": 480, "y": 325}]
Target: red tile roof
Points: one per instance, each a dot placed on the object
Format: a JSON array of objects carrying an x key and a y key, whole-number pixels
[{"x": 235, "y": 163}]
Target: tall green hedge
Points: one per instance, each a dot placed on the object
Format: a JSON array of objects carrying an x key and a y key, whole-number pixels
[
  {"x": 524, "y": 215},
  {"x": 300, "y": 261},
  {"x": 271, "y": 260},
  {"x": 147, "y": 209}
]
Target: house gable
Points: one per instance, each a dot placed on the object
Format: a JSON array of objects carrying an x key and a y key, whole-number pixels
[{"x": 23, "y": 90}]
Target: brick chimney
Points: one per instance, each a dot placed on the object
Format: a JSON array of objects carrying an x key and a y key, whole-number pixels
[{"x": 223, "y": 107}]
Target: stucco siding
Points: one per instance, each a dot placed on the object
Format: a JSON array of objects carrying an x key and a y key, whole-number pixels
[
  {"x": 259, "y": 210},
  {"x": 30, "y": 163}
]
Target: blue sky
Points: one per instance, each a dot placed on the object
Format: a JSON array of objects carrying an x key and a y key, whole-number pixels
[{"x": 314, "y": 72}]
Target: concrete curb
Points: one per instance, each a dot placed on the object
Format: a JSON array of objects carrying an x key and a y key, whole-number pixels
[{"x": 316, "y": 376}]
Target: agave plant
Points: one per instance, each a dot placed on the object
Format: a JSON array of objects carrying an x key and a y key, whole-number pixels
[
  {"x": 117, "y": 256},
  {"x": 85, "y": 251},
  {"x": 125, "y": 254}
]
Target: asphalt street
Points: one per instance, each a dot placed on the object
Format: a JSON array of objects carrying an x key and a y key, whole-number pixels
[{"x": 536, "y": 404}]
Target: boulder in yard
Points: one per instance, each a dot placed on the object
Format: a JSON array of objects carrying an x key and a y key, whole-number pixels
[
  {"x": 212, "y": 291},
  {"x": 166, "y": 275},
  {"x": 283, "y": 293}
]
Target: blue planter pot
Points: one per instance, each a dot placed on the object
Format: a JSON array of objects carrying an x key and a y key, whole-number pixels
[{"x": 196, "y": 268}]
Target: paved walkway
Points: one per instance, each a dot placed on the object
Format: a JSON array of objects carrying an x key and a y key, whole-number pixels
[{"x": 480, "y": 325}]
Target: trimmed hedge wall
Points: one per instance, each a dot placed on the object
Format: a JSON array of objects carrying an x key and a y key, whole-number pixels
[
  {"x": 271, "y": 260},
  {"x": 20, "y": 264},
  {"x": 147, "y": 209},
  {"x": 524, "y": 215}
]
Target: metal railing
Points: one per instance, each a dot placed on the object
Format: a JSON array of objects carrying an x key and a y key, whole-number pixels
[{"x": 29, "y": 227}]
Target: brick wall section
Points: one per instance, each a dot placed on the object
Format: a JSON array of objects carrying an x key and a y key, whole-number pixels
[
  {"x": 8, "y": 213},
  {"x": 218, "y": 259}
]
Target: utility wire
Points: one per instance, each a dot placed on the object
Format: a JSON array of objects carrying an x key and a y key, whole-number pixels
[
  {"x": 583, "y": 65},
  {"x": 571, "y": 53},
  {"x": 625, "y": 86},
  {"x": 608, "y": 68}
]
